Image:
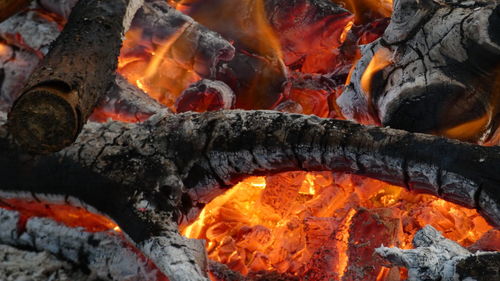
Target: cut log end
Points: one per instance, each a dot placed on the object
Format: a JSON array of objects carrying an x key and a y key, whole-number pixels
[{"x": 45, "y": 120}]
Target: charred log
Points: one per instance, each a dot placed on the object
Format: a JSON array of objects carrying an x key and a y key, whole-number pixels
[
  {"x": 205, "y": 95},
  {"x": 64, "y": 89},
  {"x": 435, "y": 70},
  {"x": 146, "y": 176},
  {"x": 195, "y": 47},
  {"x": 125, "y": 102},
  {"x": 437, "y": 258}
]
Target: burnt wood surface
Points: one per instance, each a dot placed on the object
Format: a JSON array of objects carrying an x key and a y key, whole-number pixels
[
  {"x": 146, "y": 176},
  {"x": 442, "y": 72},
  {"x": 64, "y": 89}
]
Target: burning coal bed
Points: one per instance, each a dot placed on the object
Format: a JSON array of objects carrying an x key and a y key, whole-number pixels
[{"x": 218, "y": 141}]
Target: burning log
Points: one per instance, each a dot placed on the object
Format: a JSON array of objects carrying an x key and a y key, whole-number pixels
[
  {"x": 64, "y": 89},
  {"x": 184, "y": 52},
  {"x": 125, "y": 102},
  {"x": 435, "y": 70},
  {"x": 205, "y": 95},
  {"x": 107, "y": 255},
  {"x": 147, "y": 176},
  {"x": 437, "y": 258},
  {"x": 10, "y": 7}
]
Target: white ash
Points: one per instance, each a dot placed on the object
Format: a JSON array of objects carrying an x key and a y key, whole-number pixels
[
  {"x": 23, "y": 265},
  {"x": 182, "y": 259},
  {"x": 61, "y": 7},
  {"x": 434, "y": 259},
  {"x": 105, "y": 254},
  {"x": 133, "y": 7},
  {"x": 36, "y": 32},
  {"x": 31, "y": 35}
]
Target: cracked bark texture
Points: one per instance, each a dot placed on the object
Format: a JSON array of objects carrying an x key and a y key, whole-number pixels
[
  {"x": 64, "y": 89},
  {"x": 442, "y": 70},
  {"x": 146, "y": 176},
  {"x": 436, "y": 258}
]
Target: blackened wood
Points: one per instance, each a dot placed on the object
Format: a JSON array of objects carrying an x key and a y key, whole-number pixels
[
  {"x": 191, "y": 156},
  {"x": 63, "y": 91},
  {"x": 483, "y": 267},
  {"x": 443, "y": 60},
  {"x": 146, "y": 176},
  {"x": 10, "y": 7}
]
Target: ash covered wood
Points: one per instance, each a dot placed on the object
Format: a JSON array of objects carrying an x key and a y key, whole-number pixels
[
  {"x": 436, "y": 258},
  {"x": 62, "y": 92},
  {"x": 147, "y": 176},
  {"x": 435, "y": 70},
  {"x": 104, "y": 255},
  {"x": 23, "y": 264}
]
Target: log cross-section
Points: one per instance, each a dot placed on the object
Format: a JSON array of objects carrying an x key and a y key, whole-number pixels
[{"x": 63, "y": 91}]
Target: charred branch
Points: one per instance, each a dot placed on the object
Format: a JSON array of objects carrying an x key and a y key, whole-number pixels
[
  {"x": 435, "y": 70},
  {"x": 181, "y": 162},
  {"x": 105, "y": 255},
  {"x": 62, "y": 92},
  {"x": 437, "y": 258}
]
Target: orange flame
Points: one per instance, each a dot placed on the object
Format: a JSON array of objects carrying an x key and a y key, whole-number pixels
[
  {"x": 150, "y": 66},
  {"x": 5, "y": 50},
  {"x": 381, "y": 59}
]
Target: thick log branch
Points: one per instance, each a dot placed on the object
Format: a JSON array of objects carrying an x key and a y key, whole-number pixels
[
  {"x": 63, "y": 91},
  {"x": 144, "y": 176},
  {"x": 435, "y": 70}
]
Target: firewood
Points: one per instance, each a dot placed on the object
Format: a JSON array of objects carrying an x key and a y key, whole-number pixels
[
  {"x": 107, "y": 254},
  {"x": 435, "y": 70},
  {"x": 205, "y": 95},
  {"x": 10, "y": 7},
  {"x": 149, "y": 175},
  {"x": 63, "y": 91},
  {"x": 125, "y": 102},
  {"x": 436, "y": 258}
]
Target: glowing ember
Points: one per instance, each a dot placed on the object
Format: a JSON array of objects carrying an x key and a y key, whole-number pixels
[
  {"x": 66, "y": 214},
  {"x": 323, "y": 226},
  {"x": 145, "y": 63}
]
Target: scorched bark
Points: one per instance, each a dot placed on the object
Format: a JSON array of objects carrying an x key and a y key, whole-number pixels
[
  {"x": 443, "y": 68},
  {"x": 147, "y": 175}
]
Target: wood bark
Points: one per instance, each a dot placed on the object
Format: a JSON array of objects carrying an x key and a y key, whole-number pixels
[
  {"x": 441, "y": 72},
  {"x": 63, "y": 91},
  {"x": 147, "y": 176},
  {"x": 11, "y": 7}
]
